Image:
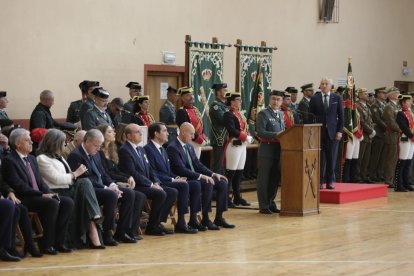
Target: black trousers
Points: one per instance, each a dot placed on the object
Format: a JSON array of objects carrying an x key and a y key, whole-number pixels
[
  {"x": 54, "y": 216},
  {"x": 7, "y": 215},
  {"x": 329, "y": 151},
  {"x": 21, "y": 217},
  {"x": 221, "y": 188}
]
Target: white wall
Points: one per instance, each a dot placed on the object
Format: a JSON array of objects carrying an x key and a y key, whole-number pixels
[{"x": 50, "y": 44}]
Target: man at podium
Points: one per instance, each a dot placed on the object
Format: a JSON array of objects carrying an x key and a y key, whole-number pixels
[{"x": 269, "y": 124}]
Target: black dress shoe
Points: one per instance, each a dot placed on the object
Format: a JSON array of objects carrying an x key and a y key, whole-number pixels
[
  {"x": 401, "y": 190},
  {"x": 165, "y": 230},
  {"x": 223, "y": 223},
  {"x": 197, "y": 225},
  {"x": 125, "y": 239},
  {"x": 241, "y": 202},
  {"x": 135, "y": 236},
  {"x": 14, "y": 253},
  {"x": 230, "y": 203},
  {"x": 274, "y": 209},
  {"x": 5, "y": 256},
  {"x": 92, "y": 246},
  {"x": 409, "y": 188},
  {"x": 210, "y": 225},
  {"x": 33, "y": 252},
  {"x": 185, "y": 229},
  {"x": 63, "y": 249},
  {"x": 108, "y": 240},
  {"x": 330, "y": 187},
  {"x": 265, "y": 211},
  {"x": 155, "y": 231},
  {"x": 49, "y": 251}
]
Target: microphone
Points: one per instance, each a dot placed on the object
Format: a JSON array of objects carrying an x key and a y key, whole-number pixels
[{"x": 306, "y": 115}]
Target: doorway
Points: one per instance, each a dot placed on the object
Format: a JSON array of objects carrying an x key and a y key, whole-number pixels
[
  {"x": 156, "y": 79},
  {"x": 404, "y": 86}
]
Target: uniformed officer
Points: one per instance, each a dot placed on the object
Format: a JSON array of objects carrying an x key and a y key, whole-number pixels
[
  {"x": 189, "y": 113},
  {"x": 135, "y": 89},
  {"x": 391, "y": 136},
  {"x": 4, "y": 118},
  {"x": 75, "y": 106},
  {"x": 167, "y": 113},
  {"x": 288, "y": 115},
  {"x": 236, "y": 125},
  {"x": 89, "y": 86},
  {"x": 97, "y": 115},
  {"x": 377, "y": 160},
  {"x": 218, "y": 136},
  {"x": 303, "y": 108},
  {"x": 269, "y": 124},
  {"x": 293, "y": 96},
  {"x": 369, "y": 133},
  {"x": 405, "y": 121},
  {"x": 115, "y": 108},
  {"x": 140, "y": 114}
]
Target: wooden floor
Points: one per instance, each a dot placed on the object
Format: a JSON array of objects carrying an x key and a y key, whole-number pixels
[{"x": 374, "y": 237}]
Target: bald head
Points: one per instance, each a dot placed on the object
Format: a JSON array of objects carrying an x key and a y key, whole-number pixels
[{"x": 186, "y": 132}]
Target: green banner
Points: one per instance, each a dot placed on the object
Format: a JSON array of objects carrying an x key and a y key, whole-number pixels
[{"x": 206, "y": 68}]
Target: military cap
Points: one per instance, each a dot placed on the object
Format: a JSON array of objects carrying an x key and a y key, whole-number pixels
[
  {"x": 86, "y": 84},
  {"x": 232, "y": 94},
  {"x": 286, "y": 94},
  {"x": 184, "y": 90},
  {"x": 370, "y": 94},
  {"x": 362, "y": 90},
  {"x": 5, "y": 122},
  {"x": 277, "y": 93},
  {"x": 380, "y": 89},
  {"x": 140, "y": 99},
  {"x": 307, "y": 86},
  {"x": 37, "y": 134},
  {"x": 291, "y": 90},
  {"x": 3, "y": 94},
  {"x": 101, "y": 93},
  {"x": 402, "y": 97},
  {"x": 392, "y": 90},
  {"x": 218, "y": 86},
  {"x": 171, "y": 89},
  {"x": 67, "y": 126},
  {"x": 133, "y": 85}
]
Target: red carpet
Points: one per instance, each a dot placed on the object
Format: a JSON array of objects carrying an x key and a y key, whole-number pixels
[{"x": 349, "y": 192}]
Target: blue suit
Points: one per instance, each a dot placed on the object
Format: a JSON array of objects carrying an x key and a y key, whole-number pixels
[
  {"x": 161, "y": 165},
  {"x": 332, "y": 122},
  {"x": 180, "y": 166},
  {"x": 138, "y": 167},
  {"x": 109, "y": 199}
]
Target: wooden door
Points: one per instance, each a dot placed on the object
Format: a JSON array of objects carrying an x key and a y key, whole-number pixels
[{"x": 156, "y": 77}]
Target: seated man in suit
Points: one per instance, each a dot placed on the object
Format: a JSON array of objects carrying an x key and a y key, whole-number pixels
[
  {"x": 21, "y": 172},
  {"x": 107, "y": 192},
  {"x": 133, "y": 161},
  {"x": 184, "y": 162},
  {"x": 158, "y": 159}
]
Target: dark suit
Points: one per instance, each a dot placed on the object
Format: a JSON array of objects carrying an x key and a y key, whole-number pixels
[
  {"x": 7, "y": 218},
  {"x": 42, "y": 118},
  {"x": 181, "y": 167},
  {"x": 139, "y": 168},
  {"x": 106, "y": 197},
  {"x": 54, "y": 215},
  {"x": 332, "y": 123},
  {"x": 161, "y": 165}
]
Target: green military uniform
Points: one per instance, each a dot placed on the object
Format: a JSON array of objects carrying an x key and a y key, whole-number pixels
[
  {"x": 391, "y": 138},
  {"x": 218, "y": 133},
  {"x": 268, "y": 125},
  {"x": 303, "y": 110},
  {"x": 367, "y": 126},
  {"x": 95, "y": 117},
  {"x": 376, "y": 163},
  {"x": 86, "y": 105},
  {"x": 73, "y": 111},
  {"x": 167, "y": 116},
  {"x": 3, "y": 115}
]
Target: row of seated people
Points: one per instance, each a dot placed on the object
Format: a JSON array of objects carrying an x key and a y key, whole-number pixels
[{"x": 67, "y": 194}]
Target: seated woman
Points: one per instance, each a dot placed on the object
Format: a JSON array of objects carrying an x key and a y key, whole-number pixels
[
  {"x": 57, "y": 174},
  {"x": 120, "y": 136},
  {"x": 109, "y": 157}
]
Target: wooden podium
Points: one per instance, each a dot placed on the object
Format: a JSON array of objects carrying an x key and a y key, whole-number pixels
[{"x": 300, "y": 157}]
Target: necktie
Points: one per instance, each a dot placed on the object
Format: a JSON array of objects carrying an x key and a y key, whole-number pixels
[
  {"x": 163, "y": 153},
  {"x": 187, "y": 153},
  {"x": 325, "y": 102},
  {"x": 95, "y": 170},
  {"x": 32, "y": 176},
  {"x": 141, "y": 158}
]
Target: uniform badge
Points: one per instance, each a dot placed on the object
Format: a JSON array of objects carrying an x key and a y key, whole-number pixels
[
  {"x": 375, "y": 109},
  {"x": 215, "y": 107}
]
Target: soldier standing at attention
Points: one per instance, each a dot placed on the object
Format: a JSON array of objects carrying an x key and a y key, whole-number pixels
[
  {"x": 303, "y": 107},
  {"x": 75, "y": 106},
  {"x": 293, "y": 96},
  {"x": 288, "y": 114},
  {"x": 189, "y": 113},
  {"x": 391, "y": 137},
  {"x": 167, "y": 114},
  {"x": 269, "y": 124},
  {"x": 376, "y": 162},
  {"x": 89, "y": 86},
  {"x": 135, "y": 89},
  {"x": 218, "y": 130},
  {"x": 140, "y": 114},
  {"x": 97, "y": 115}
]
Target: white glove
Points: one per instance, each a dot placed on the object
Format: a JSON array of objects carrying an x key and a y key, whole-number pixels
[
  {"x": 372, "y": 135},
  {"x": 362, "y": 138},
  {"x": 250, "y": 139}
]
